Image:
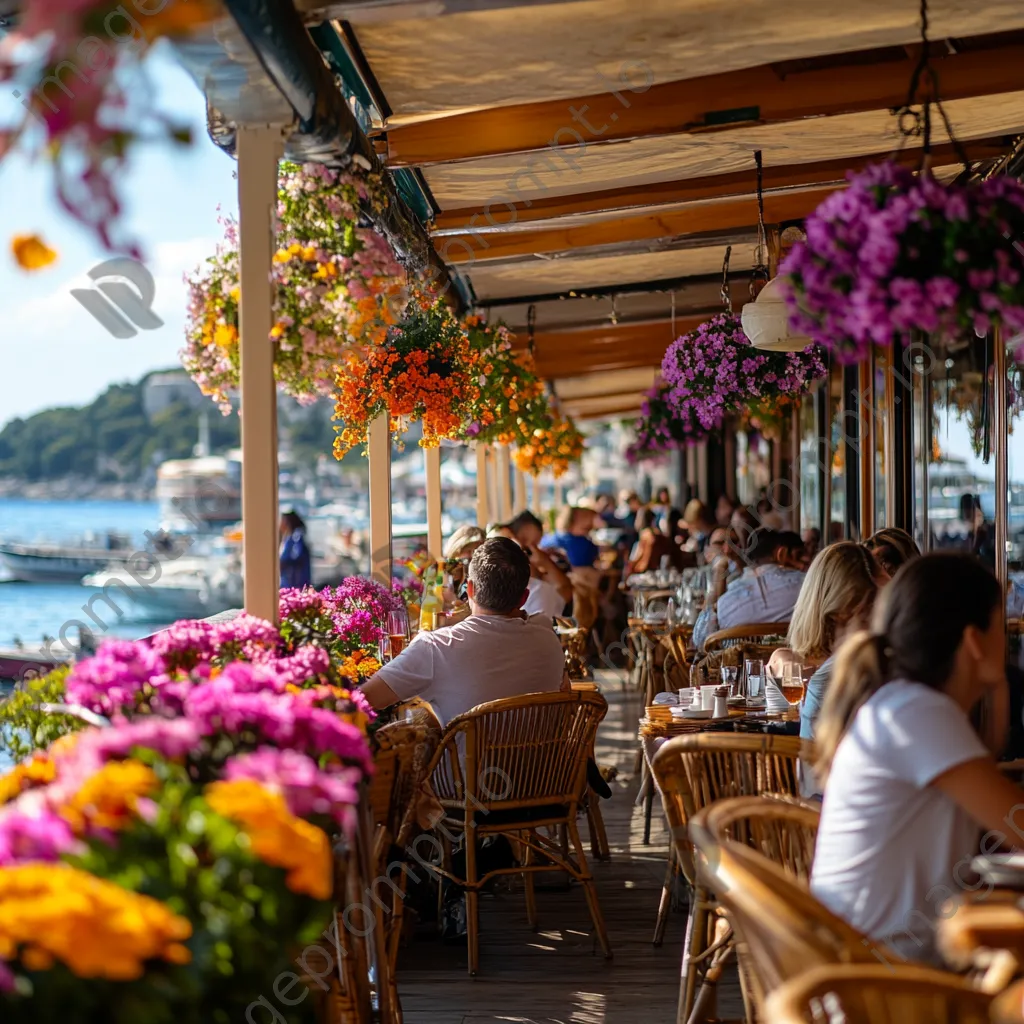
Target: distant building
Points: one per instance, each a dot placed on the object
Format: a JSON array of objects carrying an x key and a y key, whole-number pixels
[{"x": 160, "y": 390}]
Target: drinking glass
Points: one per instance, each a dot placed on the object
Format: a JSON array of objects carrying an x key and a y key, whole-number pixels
[
  {"x": 384, "y": 649},
  {"x": 792, "y": 682},
  {"x": 730, "y": 677},
  {"x": 398, "y": 631},
  {"x": 754, "y": 672}
]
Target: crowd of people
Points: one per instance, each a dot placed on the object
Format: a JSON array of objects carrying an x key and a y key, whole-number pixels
[{"x": 907, "y": 696}]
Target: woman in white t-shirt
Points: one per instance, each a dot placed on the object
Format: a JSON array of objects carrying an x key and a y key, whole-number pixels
[{"x": 909, "y": 783}]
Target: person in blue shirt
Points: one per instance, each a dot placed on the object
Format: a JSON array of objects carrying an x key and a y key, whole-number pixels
[
  {"x": 296, "y": 567},
  {"x": 572, "y": 536}
]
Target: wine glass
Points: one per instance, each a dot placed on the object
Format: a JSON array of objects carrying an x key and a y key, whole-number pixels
[
  {"x": 398, "y": 630},
  {"x": 793, "y": 682}
]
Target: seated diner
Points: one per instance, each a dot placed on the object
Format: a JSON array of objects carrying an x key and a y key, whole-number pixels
[
  {"x": 498, "y": 651},
  {"x": 909, "y": 782}
]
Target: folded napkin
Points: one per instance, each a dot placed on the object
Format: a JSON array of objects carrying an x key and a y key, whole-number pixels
[{"x": 775, "y": 702}]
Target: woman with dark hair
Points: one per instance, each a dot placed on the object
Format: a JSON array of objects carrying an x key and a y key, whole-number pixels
[
  {"x": 653, "y": 546},
  {"x": 296, "y": 560},
  {"x": 909, "y": 783}
]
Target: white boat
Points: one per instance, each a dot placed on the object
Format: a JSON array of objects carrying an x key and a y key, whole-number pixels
[
  {"x": 60, "y": 563},
  {"x": 204, "y": 493}
]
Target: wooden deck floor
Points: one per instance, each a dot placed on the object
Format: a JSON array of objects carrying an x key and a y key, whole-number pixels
[{"x": 558, "y": 975}]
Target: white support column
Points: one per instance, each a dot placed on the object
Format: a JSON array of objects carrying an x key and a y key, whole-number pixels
[
  {"x": 483, "y": 511},
  {"x": 379, "y": 455},
  {"x": 503, "y": 468},
  {"x": 519, "y": 499},
  {"x": 432, "y": 465},
  {"x": 493, "y": 500},
  {"x": 259, "y": 150},
  {"x": 702, "y": 471}
]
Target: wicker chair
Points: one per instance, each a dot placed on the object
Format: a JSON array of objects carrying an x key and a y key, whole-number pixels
[
  {"x": 877, "y": 994},
  {"x": 771, "y": 634},
  {"x": 404, "y": 752},
  {"x": 524, "y": 768},
  {"x": 785, "y": 930},
  {"x": 692, "y": 773}
]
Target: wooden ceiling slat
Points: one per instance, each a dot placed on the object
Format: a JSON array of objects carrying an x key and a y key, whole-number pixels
[
  {"x": 705, "y": 187},
  {"x": 714, "y": 102},
  {"x": 697, "y": 219},
  {"x": 597, "y": 408}
]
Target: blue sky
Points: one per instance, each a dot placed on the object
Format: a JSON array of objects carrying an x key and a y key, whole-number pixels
[{"x": 52, "y": 352}]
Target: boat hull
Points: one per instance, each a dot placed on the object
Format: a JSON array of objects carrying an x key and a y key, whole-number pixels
[{"x": 57, "y": 566}]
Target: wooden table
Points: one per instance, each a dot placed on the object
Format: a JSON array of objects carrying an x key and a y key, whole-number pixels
[{"x": 1008, "y": 1006}]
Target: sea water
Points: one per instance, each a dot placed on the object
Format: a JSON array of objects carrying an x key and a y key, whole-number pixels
[{"x": 30, "y": 611}]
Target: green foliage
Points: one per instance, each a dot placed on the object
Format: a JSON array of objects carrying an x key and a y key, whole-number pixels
[
  {"x": 111, "y": 430},
  {"x": 24, "y": 727},
  {"x": 248, "y": 928}
]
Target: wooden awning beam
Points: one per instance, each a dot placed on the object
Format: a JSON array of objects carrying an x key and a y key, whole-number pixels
[
  {"x": 676, "y": 225},
  {"x": 711, "y": 186},
  {"x": 612, "y": 405},
  {"x": 565, "y": 128}
]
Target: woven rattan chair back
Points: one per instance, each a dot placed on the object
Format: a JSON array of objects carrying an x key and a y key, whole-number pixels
[
  {"x": 769, "y": 634},
  {"x": 705, "y": 671},
  {"x": 877, "y": 994},
  {"x": 783, "y": 829},
  {"x": 404, "y": 751},
  {"x": 517, "y": 753},
  {"x": 784, "y": 929}
]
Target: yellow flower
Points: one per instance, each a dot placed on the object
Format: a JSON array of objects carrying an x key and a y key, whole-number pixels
[
  {"x": 309, "y": 253},
  {"x": 277, "y": 836},
  {"x": 235, "y": 293},
  {"x": 57, "y": 912},
  {"x": 39, "y": 769},
  {"x": 109, "y": 797},
  {"x": 277, "y": 330},
  {"x": 31, "y": 252},
  {"x": 325, "y": 271},
  {"x": 282, "y": 256},
  {"x": 225, "y": 335}
]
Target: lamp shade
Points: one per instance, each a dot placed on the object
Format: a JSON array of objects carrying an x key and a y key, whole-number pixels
[{"x": 766, "y": 320}]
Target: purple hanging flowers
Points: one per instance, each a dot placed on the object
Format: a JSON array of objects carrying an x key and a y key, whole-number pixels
[
  {"x": 714, "y": 370},
  {"x": 660, "y": 429},
  {"x": 896, "y": 252}
]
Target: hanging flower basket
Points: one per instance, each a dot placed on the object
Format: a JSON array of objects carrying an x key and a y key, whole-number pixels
[
  {"x": 895, "y": 252},
  {"x": 554, "y": 447},
  {"x": 90, "y": 123},
  {"x": 659, "y": 430},
  {"x": 714, "y": 370},
  {"x": 426, "y": 370},
  {"x": 337, "y": 286},
  {"x": 511, "y": 400}
]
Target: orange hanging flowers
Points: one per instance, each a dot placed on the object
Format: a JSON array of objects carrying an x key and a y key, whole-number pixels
[
  {"x": 555, "y": 447},
  {"x": 425, "y": 370}
]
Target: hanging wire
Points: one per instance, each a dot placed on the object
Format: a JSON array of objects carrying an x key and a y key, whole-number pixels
[
  {"x": 726, "y": 298},
  {"x": 673, "y": 314},
  {"x": 913, "y": 122},
  {"x": 531, "y": 328},
  {"x": 614, "y": 318},
  {"x": 760, "y": 274}
]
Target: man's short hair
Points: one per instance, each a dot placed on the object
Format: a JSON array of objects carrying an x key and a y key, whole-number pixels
[
  {"x": 500, "y": 574},
  {"x": 762, "y": 545},
  {"x": 524, "y": 518}
]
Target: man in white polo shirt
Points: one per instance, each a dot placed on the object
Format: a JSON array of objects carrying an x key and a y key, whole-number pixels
[{"x": 497, "y": 652}]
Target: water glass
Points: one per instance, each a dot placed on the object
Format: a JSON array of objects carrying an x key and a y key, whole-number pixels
[
  {"x": 754, "y": 672},
  {"x": 384, "y": 649},
  {"x": 730, "y": 677}
]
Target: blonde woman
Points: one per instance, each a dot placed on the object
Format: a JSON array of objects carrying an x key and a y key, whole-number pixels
[
  {"x": 892, "y": 548},
  {"x": 835, "y": 601}
]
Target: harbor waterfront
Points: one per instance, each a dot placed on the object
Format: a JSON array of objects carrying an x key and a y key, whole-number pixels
[{"x": 28, "y": 611}]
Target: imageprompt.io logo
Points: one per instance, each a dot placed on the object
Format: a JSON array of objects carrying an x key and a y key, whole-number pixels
[{"x": 122, "y": 298}]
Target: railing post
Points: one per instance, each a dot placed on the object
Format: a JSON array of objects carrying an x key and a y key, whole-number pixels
[
  {"x": 1001, "y": 451},
  {"x": 503, "y": 468},
  {"x": 483, "y": 512},
  {"x": 432, "y": 468},
  {"x": 259, "y": 150},
  {"x": 520, "y": 500},
  {"x": 379, "y": 456}
]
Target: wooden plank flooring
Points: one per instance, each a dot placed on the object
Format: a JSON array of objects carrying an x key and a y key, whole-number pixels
[{"x": 558, "y": 974}]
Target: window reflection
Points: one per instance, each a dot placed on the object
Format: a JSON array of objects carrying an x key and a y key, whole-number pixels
[{"x": 810, "y": 468}]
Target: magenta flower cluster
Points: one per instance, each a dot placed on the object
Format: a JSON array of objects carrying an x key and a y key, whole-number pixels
[
  {"x": 714, "y": 370},
  {"x": 660, "y": 429},
  {"x": 348, "y": 618},
  {"x": 895, "y": 253},
  {"x": 306, "y": 788}
]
